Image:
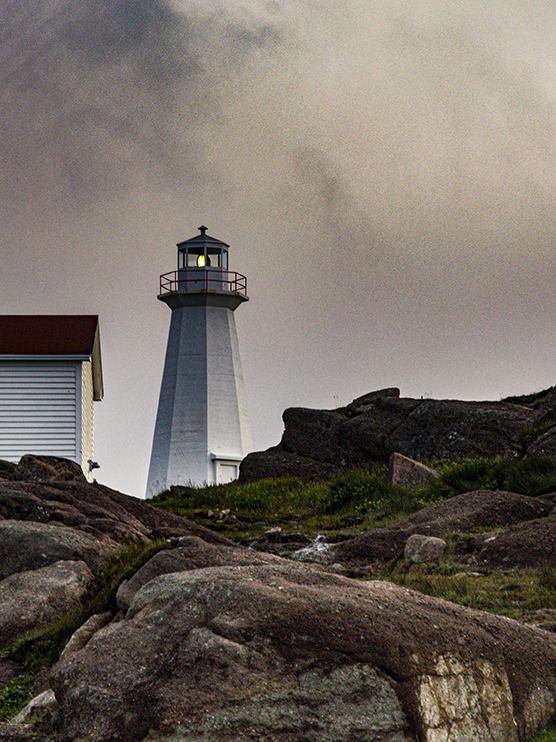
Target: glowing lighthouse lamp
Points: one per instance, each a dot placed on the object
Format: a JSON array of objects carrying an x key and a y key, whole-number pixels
[{"x": 202, "y": 429}]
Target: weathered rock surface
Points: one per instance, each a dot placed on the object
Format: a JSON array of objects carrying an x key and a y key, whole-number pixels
[
  {"x": 544, "y": 446},
  {"x": 481, "y": 509},
  {"x": 20, "y": 733},
  {"x": 275, "y": 462},
  {"x": 192, "y": 553},
  {"x": 373, "y": 427},
  {"x": 87, "y": 509},
  {"x": 57, "y": 533},
  {"x": 25, "y": 545},
  {"x": 47, "y": 468},
  {"x": 420, "y": 548},
  {"x": 34, "y": 598},
  {"x": 287, "y": 652},
  {"x": 409, "y": 473},
  {"x": 530, "y": 544},
  {"x": 36, "y": 707}
]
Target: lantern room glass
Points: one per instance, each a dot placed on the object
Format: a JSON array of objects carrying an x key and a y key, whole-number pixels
[{"x": 203, "y": 256}]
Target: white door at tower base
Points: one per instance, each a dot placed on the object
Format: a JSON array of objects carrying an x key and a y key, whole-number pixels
[{"x": 226, "y": 471}]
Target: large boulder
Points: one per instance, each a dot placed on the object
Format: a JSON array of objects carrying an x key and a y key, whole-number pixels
[
  {"x": 192, "y": 553},
  {"x": 314, "y": 434},
  {"x": 32, "y": 599},
  {"x": 453, "y": 429},
  {"x": 420, "y": 548},
  {"x": 373, "y": 427},
  {"x": 288, "y": 652},
  {"x": 409, "y": 473}
]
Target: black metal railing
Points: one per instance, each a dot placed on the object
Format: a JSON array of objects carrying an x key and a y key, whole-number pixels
[{"x": 203, "y": 279}]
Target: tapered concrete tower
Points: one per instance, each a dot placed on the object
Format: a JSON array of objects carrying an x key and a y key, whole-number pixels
[{"x": 202, "y": 430}]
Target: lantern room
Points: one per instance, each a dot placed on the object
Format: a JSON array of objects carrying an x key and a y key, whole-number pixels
[{"x": 203, "y": 251}]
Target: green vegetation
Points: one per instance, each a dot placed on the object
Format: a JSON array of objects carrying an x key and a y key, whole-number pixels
[
  {"x": 549, "y": 735},
  {"x": 514, "y": 593},
  {"x": 355, "y": 499},
  {"x": 530, "y": 477},
  {"x": 15, "y": 695}
]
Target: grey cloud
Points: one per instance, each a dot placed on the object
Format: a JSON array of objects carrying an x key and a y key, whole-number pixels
[
  {"x": 348, "y": 231},
  {"x": 93, "y": 93}
]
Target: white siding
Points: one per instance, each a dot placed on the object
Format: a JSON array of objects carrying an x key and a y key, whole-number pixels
[
  {"x": 40, "y": 409},
  {"x": 87, "y": 418}
]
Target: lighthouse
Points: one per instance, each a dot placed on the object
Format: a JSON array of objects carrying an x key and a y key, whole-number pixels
[{"x": 202, "y": 429}]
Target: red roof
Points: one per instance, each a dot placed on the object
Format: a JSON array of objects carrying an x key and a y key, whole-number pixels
[{"x": 39, "y": 334}]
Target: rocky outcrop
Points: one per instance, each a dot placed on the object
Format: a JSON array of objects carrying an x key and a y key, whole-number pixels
[
  {"x": 212, "y": 642},
  {"x": 57, "y": 534},
  {"x": 485, "y": 509},
  {"x": 529, "y": 544},
  {"x": 288, "y": 652},
  {"x": 316, "y": 443},
  {"x": 94, "y": 513}
]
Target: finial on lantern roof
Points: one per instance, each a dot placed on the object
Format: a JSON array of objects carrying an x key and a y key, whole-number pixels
[{"x": 202, "y": 229}]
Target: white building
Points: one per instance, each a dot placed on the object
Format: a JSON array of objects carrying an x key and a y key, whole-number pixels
[
  {"x": 202, "y": 429},
  {"x": 50, "y": 374}
]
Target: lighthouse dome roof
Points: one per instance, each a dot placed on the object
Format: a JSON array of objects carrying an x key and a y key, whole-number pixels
[{"x": 202, "y": 239}]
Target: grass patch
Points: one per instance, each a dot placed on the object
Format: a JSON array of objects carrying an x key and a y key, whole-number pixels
[
  {"x": 360, "y": 495},
  {"x": 350, "y": 502},
  {"x": 532, "y": 477}
]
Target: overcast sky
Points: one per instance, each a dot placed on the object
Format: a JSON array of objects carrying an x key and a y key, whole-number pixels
[{"x": 385, "y": 174}]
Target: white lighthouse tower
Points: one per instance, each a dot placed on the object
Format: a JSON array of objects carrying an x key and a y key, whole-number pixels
[{"x": 202, "y": 429}]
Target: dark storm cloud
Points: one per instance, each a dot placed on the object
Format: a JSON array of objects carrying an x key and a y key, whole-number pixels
[{"x": 93, "y": 93}]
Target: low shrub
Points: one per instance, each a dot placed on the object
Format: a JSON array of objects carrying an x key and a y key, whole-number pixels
[{"x": 15, "y": 695}]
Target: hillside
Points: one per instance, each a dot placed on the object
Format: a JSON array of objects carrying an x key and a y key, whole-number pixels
[{"x": 279, "y": 609}]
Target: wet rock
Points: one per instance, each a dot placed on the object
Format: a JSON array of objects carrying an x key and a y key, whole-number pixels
[{"x": 317, "y": 551}]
